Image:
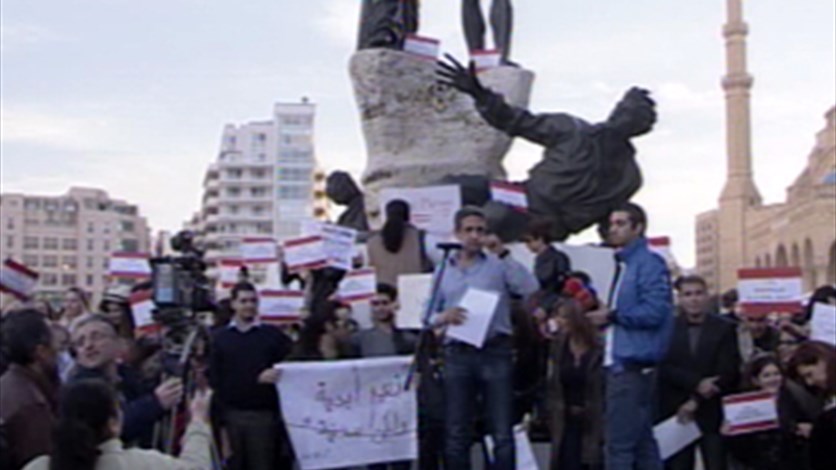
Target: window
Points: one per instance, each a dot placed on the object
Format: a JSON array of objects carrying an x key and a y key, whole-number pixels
[
  {"x": 89, "y": 262},
  {"x": 128, "y": 226},
  {"x": 294, "y": 174},
  {"x": 30, "y": 260},
  {"x": 90, "y": 244},
  {"x": 106, "y": 246},
  {"x": 69, "y": 262},
  {"x": 30, "y": 243},
  {"x": 130, "y": 245},
  {"x": 105, "y": 262},
  {"x": 50, "y": 261},
  {"x": 69, "y": 244},
  {"x": 89, "y": 280},
  {"x": 49, "y": 279},
  {"x": 50, "y": 243},
  {"x": 106, "y": 227},
  {"x": 68, "y": 280},
  {"x": 10, "y": 224},
  {"x": 10, "y": 241},
  {"x": 258, "y": 174},
  {"x": 91, "y": 227},
  {"x": 293, "y": 192}
]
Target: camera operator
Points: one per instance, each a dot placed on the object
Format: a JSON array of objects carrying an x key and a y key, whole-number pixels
[{"x": 98, "y": 349}]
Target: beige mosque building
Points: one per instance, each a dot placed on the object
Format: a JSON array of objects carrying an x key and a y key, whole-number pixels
[{"x": 744, "y": 232}]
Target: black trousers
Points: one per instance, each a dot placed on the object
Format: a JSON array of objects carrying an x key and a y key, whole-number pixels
[{"x": 713, "y": 452}]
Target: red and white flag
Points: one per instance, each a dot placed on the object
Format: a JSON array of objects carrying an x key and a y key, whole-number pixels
[
  {"x": 142, "y": 309},
  {"x": 129, "y": 265},
  {"x": 228, "y": 270},
  {"x": 305, "y": 253},
  {"x": 358, "y": 285},
  {"x": 750, "y": 412},
  {"x": 509, "y": 193},
  {"x": 662, "y": 247},
  {"x": 423, "y": 47},
  {"x": 17, "y": 279},
  {"x": 770, "y": 290},
  {"x": 485, "y": 59},
  {"x": 280, "y": 306},
  {"x": 259, "y": 250}
]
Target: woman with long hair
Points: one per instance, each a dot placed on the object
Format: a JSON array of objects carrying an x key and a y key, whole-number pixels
[
  {"x": 399, "y": 247},
  {"x": 86, "y": 436},
  {"x": 576, "y": 390},
  {"x": 75, "y": 309}
]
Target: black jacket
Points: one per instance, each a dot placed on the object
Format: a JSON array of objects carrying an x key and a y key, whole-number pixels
[{"x": 681, "y": 370}]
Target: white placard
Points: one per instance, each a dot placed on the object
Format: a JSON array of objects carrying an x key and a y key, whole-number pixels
[
  {"x": 423, "y": 47},
  {"x": 673, "y": 435},
  {"x": 750, "y": 412},
  {"x": 480, "y": 306},
  {"x": 259, "y": 250},
  {"x": 358, "y": 285},
  {"x": 142, "y": 309},
  {"x": 509, "y": 193},
  {"x": 485, "y": 59},
  {"x": 129, "y": 265},
  {"x": 280, "y": 304},
  {"x": 431, "y": 208},
  {"x": 768, "y": 290},
  {"x": 228, "y": 270},
  {"x": 305, "y": 253},
  {"x": 338, "y": 242},
  {"x": 413, "y": 296},
  {"x": 823, "y": 323},
  {"x": 525, "y": 459},
  {"x": 347, "y": 413}
]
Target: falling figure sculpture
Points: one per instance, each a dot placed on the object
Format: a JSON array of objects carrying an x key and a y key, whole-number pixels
[
  {"x": 586, "y": 171},
  {"x": 502, "y": 21}
]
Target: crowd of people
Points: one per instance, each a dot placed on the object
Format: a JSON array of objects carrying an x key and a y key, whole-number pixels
[{"x": 590, "y": 376}]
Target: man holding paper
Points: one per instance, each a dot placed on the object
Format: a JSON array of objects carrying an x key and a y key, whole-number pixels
[{"x": 473, "y": 304}]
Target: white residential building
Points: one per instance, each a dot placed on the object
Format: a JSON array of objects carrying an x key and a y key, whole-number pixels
[{"x": 261, "y": 183}]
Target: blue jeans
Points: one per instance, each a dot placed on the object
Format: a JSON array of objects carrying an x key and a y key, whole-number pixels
[
  {"x": 630, "y": 444},
  {"x": 471, "y": 373}
]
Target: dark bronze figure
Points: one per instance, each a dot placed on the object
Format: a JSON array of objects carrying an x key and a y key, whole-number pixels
[
  {"x": 386, "y": 23},
  {"x": 502, "y": 21}
]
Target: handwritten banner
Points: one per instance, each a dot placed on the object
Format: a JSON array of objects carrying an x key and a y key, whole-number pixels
[{"x": 348, "y": 413}]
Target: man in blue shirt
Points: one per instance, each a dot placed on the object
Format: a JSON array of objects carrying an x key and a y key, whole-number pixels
[
  {"x": 640, "y": 318},
  {"x": 469, "y": 371}
]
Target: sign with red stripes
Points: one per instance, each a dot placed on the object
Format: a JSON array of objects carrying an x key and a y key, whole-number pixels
[
  {"x": 770, "y": 290},
  {"x": 142, "y": 309},
  {"x": 422, "y": 47},
  {"x": 280, "y": 306},
  {"x": 17, "y": 279},
  {"x": 509, "y": 193},
  {"x": 228, "y": 270},
  {"x": 129, "y": 265},
  {"x": 485, "y": 59},
  {"x": 750, "y": 412},
  {"x": 358, "y": 285},
  {"x": 305, "y": 253},
  {"x": 259, "y": 250}
]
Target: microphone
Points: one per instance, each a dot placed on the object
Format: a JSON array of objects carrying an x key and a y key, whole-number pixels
[{"x": 448, "y": 246}]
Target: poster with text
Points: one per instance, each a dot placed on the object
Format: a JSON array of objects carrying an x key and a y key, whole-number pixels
[{"x": 431, "y": 208}]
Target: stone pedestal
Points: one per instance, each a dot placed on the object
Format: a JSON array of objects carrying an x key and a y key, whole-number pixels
[{"x": 417, "y": 131}]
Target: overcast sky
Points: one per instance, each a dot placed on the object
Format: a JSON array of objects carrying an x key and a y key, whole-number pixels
[{"x": 132, "y": 96}]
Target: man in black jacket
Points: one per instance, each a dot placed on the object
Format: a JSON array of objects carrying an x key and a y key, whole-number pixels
[{"x": 701, "y": 366}]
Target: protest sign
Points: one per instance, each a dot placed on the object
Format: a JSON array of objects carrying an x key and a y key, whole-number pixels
[
  {"x": 750, "y": 412},
  {"x": 129, "y": 265},
  {"x": 358, "y": 285},
  {"x": 348, "y": 413},
  {"x": 510, "y": 194},
  {"x": 672, "y": 435},
  {"x": 431, "y": 208},
  {"x": 17, "y": 279},
  {"x": 280, "y": 306},
  {"x": 768, "y": 290},
  {"x": 485, "y": 59},
  {"x": 259, "y": 250},
  {"x": 422, "y": 47},
  {"x": 823, "y": 323},
  {"x": 142, "y": 309},
  {"x": 338, "y": 242},
  {"x": 305, "y": 253},
  {"x": 228, "y": 270},
  {"x": 662, "y": 247},
  {"x": 413, "y": 296}
]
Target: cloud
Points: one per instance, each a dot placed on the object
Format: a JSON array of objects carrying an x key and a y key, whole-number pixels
[
  {"x": 32, "y": 125},
  {"x": 21, "y": 34},
  {"x": 338, "y": 21}
]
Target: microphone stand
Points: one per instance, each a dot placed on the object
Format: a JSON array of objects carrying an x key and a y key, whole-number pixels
[{"x": 426, "y": 328}]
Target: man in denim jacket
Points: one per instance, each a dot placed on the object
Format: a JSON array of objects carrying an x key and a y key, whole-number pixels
[{"x": 639, "y": 315}]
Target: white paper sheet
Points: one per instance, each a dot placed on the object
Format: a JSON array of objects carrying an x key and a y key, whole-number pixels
[
  {"x": 823, "y": 323},
  {"x": 672, "y": 436},
  {"x": 413, "y": 296},
  {"x": 480, "y": 306}
]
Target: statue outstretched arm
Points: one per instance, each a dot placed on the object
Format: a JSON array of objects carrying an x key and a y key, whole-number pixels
[{"x": 543, "y": 129}]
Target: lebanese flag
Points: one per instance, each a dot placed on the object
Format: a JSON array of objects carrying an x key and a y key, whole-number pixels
[
  {"x": 422, "y": 47},
  {"x": 259, "y": 250},
  {"x": 767, "y": 290},
  {"x": 485, "y": 59},
  {"x": 510, "y": 194},
  {"x": 129, "y": 265},
  {"x": 142, "y": 309},
  {"x": 17, "y": 279},
  {"x": 228, "y": 272}
]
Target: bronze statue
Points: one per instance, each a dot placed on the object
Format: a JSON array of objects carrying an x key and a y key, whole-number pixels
[
  {"x": 587, "y": 169},
  {"x": 386, "y": 23},
  {"x": 502, "y": 20},
  {"x": 343, "y": 191}
]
